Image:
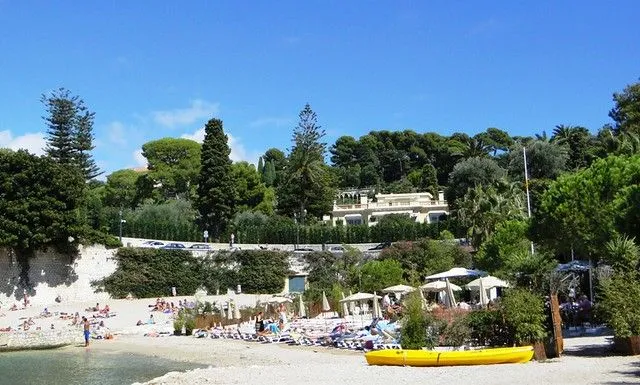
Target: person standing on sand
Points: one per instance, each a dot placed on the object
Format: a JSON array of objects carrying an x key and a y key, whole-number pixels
[{"x": 87, "y": 332}]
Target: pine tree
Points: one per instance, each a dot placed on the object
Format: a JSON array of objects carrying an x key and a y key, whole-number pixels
[
  {"x": 84, "y": 145},
  {"x": 307, "y": 182},
  {"x": 70, "y": 131},
  {"x": 216, "y": 192},
  {"x": 61, "y": 108}
]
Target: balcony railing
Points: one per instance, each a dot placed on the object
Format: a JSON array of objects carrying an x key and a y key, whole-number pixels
[{"x": 377, "y": 205}]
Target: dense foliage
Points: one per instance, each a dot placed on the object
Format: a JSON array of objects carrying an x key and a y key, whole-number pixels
[
  {"x": 590, "y": 206},
  {"x": 39, "y": 202},
  {"x": 153, "y": 272}
]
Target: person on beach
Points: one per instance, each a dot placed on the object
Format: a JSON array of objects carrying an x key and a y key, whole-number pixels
[
  {"x": 87, "y": 330},
  {"x": 282, "y": 316},
  {"x": 259, "y": 323}
]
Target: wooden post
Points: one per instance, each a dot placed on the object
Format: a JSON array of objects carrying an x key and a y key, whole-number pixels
[{"x": 556, "y": 319}]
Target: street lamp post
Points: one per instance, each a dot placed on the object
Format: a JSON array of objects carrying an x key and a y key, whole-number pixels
[
  {"x": 526, "y": 186},
  {"x": 120, "y": 225},
  {"x": 295, "y": 221}
]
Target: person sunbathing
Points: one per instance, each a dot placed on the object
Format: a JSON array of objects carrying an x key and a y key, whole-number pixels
[
  {"x": 105, "y": 310},
  {"x": 13, "y": 307}
]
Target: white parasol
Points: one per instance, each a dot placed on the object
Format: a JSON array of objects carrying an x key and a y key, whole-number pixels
[
  {"x": 488, "y": 282},
  {"x": 325, "y": 303},
  {"x": 484, "y": 300},
  {"x": 301, "y": 310},
  {"x": 450, "y": 297},
  {"x": 358, "y": 297},
  {"x": 345, "y": 307},
  {"x": 457, "y": 272},
  {"x": 400, "y": 289},
  {"x": 376, "y": 307},
  {"x": 437, "y": 286}
]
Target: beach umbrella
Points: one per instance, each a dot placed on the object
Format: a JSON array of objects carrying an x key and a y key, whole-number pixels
[
  {"x": 437, "y": 286},
  {"x": 358, "y": 297},
  {"x": 325, "y": 303},
  {"x": 222, "y": 315},
  {"x": 484, "y": 301},
  {"x": 398, "y": 289},
  {"x": 376, "y": 307},
  {"x": 488, "y": 282},
  {"x": 279, "y": 300},
  {"x": 229, "y": 311},
  {"x": 450, "y": 297},
  {"x": 424, "y": 300},
  {"x": 236, "y": 312},
  {"x": 352, "y": 305},
  {"x": 345, "y": 306},
  {"x": 457, "y": 272},
  {"x": 301, "y": 310}
]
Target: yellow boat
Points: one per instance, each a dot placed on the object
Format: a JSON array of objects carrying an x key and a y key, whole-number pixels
[{"x": 397, "y": 357}]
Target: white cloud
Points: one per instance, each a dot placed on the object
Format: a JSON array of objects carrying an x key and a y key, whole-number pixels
[
  {"x": 199, "y": 109},
  {"x": 238, "y": 151},
  {"x": 197, "y": 136},
  {"x": 141, "y": 161},
  {"x": 270, "y": 121},
  {"x": 35, "y": 143},
  {"x": 116, "y": 131}
]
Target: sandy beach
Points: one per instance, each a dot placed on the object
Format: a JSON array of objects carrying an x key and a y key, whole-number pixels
[{"x": 239, "y": 362}]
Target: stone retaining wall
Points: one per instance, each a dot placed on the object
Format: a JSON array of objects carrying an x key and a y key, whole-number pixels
[{"x": 39, "y": 339}]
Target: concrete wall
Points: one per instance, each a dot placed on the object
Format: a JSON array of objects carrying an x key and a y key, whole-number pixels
[{"x": 53, "y": 274}]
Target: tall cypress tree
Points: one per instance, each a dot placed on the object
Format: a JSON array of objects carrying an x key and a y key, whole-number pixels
[
  {"x": 216, "y": 192},
  {"x": 260, "y": 166},
  {"x": 70, "y": 131}
]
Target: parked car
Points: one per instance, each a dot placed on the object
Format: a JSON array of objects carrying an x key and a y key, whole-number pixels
[
  {"x": 152, "y": 244},
  {"x": 381, "y": 246},
  {"x": 336, "y": 249},
  {"x": 200, "y": 246},
  {"x": 173, "y": 245}
]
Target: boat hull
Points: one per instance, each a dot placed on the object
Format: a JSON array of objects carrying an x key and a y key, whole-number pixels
[{"x": 392, "y": 357}]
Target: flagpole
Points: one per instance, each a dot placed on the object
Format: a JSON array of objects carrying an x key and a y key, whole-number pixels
[{"x": 526, "y": 186}]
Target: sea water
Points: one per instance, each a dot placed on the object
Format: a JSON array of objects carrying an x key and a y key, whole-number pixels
[{"x": 82, "y": 366}]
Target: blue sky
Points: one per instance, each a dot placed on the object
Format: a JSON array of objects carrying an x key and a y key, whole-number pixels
[{"x": 154, "y": 69}]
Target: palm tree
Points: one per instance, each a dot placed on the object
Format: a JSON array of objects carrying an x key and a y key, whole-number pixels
[
  {"x": 562, "y": 134},
  {"x": 482, "y": 208}
]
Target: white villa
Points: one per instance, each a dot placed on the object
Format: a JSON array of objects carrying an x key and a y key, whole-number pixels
[{"x": 420, "y": 206}]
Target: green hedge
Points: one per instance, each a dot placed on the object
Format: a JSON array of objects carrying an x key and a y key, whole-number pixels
[
  {"x": 281, "y": 230},
  {"x": 153, "y": 272}
]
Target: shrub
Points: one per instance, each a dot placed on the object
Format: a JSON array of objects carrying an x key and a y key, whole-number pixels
[
  {"x": 488, "y": 328},
  {"x": 92, "y": 237},
  {"x": 189, "y": 324},
  {"x": 525, "y": 316},
  {"x": 152, "y": 272},
  {"x": 414, "y": 327},
  {"x": 178, "y": 324},
  {"x": 262, "y": 271},
  {"x": 619, "y": 301},
  {"x": 457, "y": 333}
]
